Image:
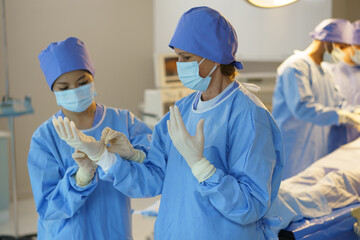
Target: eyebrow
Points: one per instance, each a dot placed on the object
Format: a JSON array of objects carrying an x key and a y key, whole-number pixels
[{"x": 81, "y": 77}]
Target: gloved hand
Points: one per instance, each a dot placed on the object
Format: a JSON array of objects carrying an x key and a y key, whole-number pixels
[
  {"x": 349, "y": 118},
  {"x": 68, "y": 132},
  {"x": 121, "y": 145},
  {"x": 357, "y": 110},
  {"x": 190, "y": 147},
  {"x": 86, "y": 169}
]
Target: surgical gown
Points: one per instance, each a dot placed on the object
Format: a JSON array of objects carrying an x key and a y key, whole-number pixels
[
  {"x": 304, "y": 104},
  {"x": 242, "y": 141},
  {"x": 67, "y": 211},
  {"x": 347, "y": 78}
]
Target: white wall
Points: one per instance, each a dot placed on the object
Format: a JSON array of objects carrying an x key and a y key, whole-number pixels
[
  {"x": 264, "y": 34},
  {"x": 119, "y": 36}
]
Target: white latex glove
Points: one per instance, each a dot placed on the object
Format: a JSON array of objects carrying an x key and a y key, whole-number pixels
[
  {"x": 121, "y": 145},
  {"x": 357, "y": 111},
  {"x": 86, "y": 169},
  {"x": 190, "y": 147},
  {"x": 349, "y": 118},
  {"x": 68, "y": 132}
]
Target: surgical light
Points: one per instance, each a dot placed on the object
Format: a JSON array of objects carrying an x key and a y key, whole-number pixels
[{"x": 271, "y": 3}]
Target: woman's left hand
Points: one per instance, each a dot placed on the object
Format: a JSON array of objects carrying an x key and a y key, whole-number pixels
[{"x": 190, "y": 147}]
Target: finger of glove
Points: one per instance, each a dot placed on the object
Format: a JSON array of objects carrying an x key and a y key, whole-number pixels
[
  {"x": 104, "y": 134},
  {"x": 56, "y": 127},
  {"x": 200, "y": 131},
  {"x": 62, "y": 128},
  {"x": 80, "y": 161},
  {"x": 68, "y": 130},
  {"x": 173, "y": 123},
  {"x": 178, "y": 118},
  {"x": 169, "y": 128},
  {"x": 74, "y": 131},
  {"x": 115, "y": 137},
  {"x": 78, "y": 155}
]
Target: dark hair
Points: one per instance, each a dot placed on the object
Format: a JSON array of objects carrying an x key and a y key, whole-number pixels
[{"x": 228, "y": 70}]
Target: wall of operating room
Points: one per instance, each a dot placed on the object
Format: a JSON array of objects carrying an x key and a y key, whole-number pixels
[{"x": 118, "y": 35}]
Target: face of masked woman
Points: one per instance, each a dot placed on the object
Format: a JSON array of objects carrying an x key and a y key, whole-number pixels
[{"x": 75, "y": 91}]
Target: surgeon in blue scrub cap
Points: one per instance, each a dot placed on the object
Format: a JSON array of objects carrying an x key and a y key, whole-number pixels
[
  {"x": 71, "y": 200},
  {"x": 306, "y": 102},
  {"x": 217, "y": 157},
  {"x": 347, "y": 78}
]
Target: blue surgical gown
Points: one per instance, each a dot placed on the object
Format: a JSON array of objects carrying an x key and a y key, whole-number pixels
[
  {"x": 67, "y": 211},
  {"x": 304, "y": 105},
  {"x": 242, "y": 141},
  {"x": 347, "y": 78}
]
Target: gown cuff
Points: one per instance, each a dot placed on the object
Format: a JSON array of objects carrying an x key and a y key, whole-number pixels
[
  {"x": 107, "y": 160},
  {"x": 203, "y": 169}
]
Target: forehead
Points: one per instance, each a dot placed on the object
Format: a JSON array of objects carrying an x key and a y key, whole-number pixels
[
  {"x": 72, "y": 76},
  {"x": 181, "y": 52}
]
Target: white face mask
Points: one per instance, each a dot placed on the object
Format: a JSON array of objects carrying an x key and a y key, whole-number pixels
[
  {"x": 356, "y": 56},
  {"x": 335, "y": 56},
  {"x": 77, "y": 99}
]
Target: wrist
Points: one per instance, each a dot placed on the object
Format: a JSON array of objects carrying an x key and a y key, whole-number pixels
[
  {"x": 203, "y": 169},
  {"x": 138, "y": 157},
  {"x": 83, "y": 177},
  {"x": 96, "y": 157}
]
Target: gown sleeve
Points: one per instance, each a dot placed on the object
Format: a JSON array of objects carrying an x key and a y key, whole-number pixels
[
  {"x": 139, "y": 133},
  {"x": 138, "y": 180},
  {"x": 54, "y": 188},
  {"x": 244, "y": 193}
]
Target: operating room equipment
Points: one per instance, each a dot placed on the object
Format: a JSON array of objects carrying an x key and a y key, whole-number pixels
[
  {"x": 271, "y": 3},
  {"x": 11, "y": 108}
]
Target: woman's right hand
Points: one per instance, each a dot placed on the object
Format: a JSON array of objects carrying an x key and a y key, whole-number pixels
[
  {"x": 119, "y": 143},
  {"x": 87, "y": 168},
  {"x": 68, "y": 132}
]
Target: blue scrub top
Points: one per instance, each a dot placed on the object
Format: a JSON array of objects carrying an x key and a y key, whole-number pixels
[
  {"x": 67, "y": 211},
  {"x": 242, "y": 141},
  {"x": 305, "y": 102}
]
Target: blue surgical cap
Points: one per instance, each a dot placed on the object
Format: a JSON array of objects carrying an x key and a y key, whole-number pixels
[
  {"x": 205, "y": 32},
  {"x": 334, "y": 30},
  {"x": 62, "y": 57},
  {"x": 356, "y": 38}
]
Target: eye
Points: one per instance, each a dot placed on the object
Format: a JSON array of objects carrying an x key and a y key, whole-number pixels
[
  {"x": 63, "y": 88},
  {"x": 83, "y": 82},
  {"x": 183, "y": 58}
]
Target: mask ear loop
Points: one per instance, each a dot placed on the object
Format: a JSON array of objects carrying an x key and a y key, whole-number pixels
[
  {"x": 201, "y": 61},
  {"x": 211, "y": 70}
]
